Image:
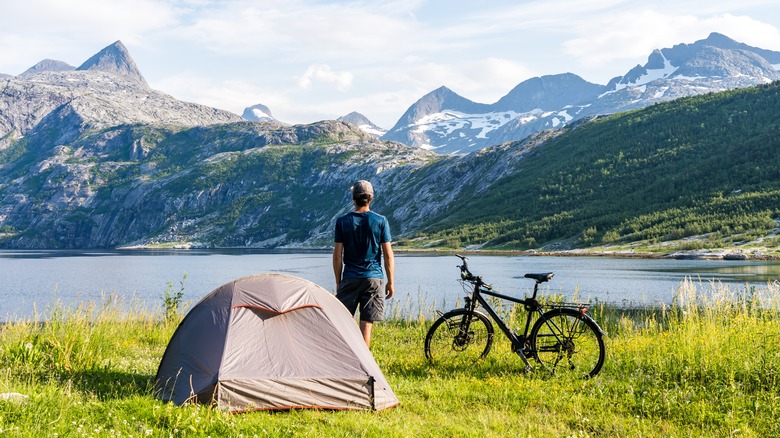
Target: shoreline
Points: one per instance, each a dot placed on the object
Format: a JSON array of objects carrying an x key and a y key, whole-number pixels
[
  {"x": 716, "y": 254},
  {"x": 720, "y": 254}
]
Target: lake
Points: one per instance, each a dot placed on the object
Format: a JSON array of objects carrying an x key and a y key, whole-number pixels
[{"x": 33, "y": 282}]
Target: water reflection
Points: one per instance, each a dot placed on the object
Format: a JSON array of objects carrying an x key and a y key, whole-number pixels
[{"x": 752, "y": 271}]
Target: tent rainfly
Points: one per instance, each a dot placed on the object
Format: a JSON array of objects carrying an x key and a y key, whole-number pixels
[{"x": 270, "y": 342}]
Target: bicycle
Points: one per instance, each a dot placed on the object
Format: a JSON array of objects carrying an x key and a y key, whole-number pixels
[{"x": 564, "y": 338}]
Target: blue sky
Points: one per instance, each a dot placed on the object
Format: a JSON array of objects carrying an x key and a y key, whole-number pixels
[{"x": 310, "y": 60}]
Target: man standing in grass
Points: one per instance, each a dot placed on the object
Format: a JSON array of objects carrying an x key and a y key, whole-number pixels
[{"x": 362, "y": 239}]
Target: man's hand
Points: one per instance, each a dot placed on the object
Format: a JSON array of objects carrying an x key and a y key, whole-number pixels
[{"x": 389, "y": 291}]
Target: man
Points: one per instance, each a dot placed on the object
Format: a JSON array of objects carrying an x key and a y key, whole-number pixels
[{"x": 362, "y": 240}]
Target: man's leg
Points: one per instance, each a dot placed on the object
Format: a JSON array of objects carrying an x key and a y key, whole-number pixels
[
  {"x": 365, "y": 329},
  {"x": 349, "y": 294},
  {"x": 372, "y": 307}
]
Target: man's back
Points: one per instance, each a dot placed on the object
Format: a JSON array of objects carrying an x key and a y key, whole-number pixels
[{"x": 362, "y": 234}]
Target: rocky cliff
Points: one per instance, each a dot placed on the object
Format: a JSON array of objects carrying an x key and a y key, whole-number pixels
[{"x": 92, "y": 157}]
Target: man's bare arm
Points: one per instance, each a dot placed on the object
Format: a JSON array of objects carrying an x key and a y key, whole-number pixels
[
  {"x": 387, "y": 253},
  {"x": 338, "y": 251}
]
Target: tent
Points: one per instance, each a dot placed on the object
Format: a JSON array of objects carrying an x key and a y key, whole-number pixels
[{"x": 268, "y": 342}]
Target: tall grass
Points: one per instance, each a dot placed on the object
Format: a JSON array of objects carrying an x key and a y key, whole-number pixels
[{"x": 708, "y": 364}]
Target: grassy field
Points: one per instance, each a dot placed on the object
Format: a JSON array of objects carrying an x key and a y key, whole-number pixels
[{"x": 707, "y": 365}]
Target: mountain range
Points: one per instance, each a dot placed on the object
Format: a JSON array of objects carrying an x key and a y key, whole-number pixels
[
  {"x": 91, "y": 157},
  {"x": 446, "y": 122}
]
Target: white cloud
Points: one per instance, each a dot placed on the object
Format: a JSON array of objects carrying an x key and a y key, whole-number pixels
[
  {"x": 313, "y": 59},
  {"x": 321, "y": 73},
  {"x": 299, "y": 30},
  {"x": 230, "y": 95},
  {"x": 72, "y": 31},
  {"x": 491, "y": 78},
  {"x": 635, "y": 34},
  {"x": 86, "y": 19}
]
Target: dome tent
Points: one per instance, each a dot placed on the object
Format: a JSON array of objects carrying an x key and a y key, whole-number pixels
[{"x": 271, "y": 341}]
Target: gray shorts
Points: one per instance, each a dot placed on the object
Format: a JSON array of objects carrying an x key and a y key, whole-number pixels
[{"x": 365, "y": 293}]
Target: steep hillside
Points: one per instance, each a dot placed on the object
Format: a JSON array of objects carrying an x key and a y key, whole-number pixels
[
  {"x": 243, "y": 184},
  {"x": 706, "y": 166}
]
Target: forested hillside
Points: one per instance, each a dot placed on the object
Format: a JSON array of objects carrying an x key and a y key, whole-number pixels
[{"x": 705, "y": 166}]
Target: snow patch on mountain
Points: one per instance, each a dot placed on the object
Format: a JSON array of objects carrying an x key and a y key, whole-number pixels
[
  {"x": 363, "y": 123},
  {"x": 651, "y": 75},
  {"x": 449, "y": 121},
  {"x": 660, "y": 92},
  {"x": 372, "y": 129},
  {"x": 258, "y": 113}
]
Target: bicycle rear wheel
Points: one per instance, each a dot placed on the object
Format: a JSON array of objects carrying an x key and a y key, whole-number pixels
[
  {"x": 568, "y": 342},
  {"x": 459, "y": 338}
]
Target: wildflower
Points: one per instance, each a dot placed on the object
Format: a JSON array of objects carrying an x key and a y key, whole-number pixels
[{"x": 28, "y": 345}]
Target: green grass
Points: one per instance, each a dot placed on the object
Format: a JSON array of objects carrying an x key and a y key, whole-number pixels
[{"x": 706, "y": 365}]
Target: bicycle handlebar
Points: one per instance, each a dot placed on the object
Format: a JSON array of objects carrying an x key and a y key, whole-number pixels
[
  {"x": 466, "y": 275},
  {"x": 464, "y": 268}
]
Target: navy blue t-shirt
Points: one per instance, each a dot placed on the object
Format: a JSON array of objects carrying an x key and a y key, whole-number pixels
[{"x": 362, "y": 235}]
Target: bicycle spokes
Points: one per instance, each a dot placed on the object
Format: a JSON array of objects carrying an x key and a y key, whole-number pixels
[
  {"x": 564, "y": 337},
  {"x": 459, "y": 337}
]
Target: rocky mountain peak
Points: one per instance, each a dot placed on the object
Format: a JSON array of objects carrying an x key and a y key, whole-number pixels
[
  {"x": 444, "y": 98},
  {"x": 437, "y": 101},
  {"x": 355, "y": 118},
  {"x": 116, "y": 59},
  {"x": 258, "y": 113},
  {"x": 361, "y": 121},
  {"x": 48, "y": 65},
  {"x": 548, "y": 92},
  {"x": 716, "y": 62}
]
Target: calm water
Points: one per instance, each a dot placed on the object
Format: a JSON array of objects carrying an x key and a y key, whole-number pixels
[{"x": 36, "y": 281}]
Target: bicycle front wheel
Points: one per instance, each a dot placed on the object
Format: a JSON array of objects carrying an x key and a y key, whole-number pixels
[
  {"x": 459, "y": 337},
  {"x": 568, "y": 342}
]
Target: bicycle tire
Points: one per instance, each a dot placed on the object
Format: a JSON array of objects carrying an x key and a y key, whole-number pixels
[
  {"x": 570, "y": 338},
  {"x": 446, "y": 343}
]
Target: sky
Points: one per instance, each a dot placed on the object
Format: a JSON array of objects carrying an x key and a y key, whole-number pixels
[{"x": 311, "y": 60}]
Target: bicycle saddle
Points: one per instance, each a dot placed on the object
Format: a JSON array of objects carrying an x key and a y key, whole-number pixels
[{"x": 540, "y": 278}]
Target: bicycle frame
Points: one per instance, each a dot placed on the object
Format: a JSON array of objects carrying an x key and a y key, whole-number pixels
[{"x": 531, "y": 304}]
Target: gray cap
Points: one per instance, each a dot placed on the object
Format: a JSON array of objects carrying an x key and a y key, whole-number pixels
[{"x": 362, "y": 187}]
